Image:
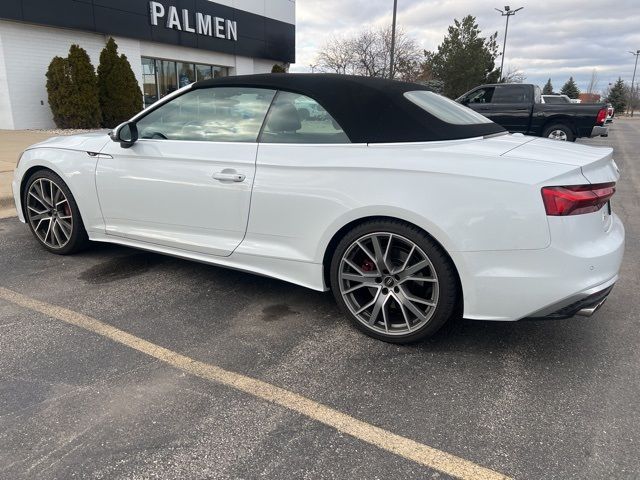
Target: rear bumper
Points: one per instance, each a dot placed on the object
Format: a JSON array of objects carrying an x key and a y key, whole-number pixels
[
  {"x": 583, "y": 304},
  {"x": 599, "y": 131},
  {"x": 512, "y": 285}
]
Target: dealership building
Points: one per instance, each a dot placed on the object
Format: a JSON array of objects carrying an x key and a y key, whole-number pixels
[{"x": 169, "y": 43}]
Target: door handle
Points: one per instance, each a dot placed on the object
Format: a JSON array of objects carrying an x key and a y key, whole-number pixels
[{"x": 229, "y": 175}]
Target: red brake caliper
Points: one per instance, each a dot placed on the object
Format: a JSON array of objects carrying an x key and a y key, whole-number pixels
[{"x": 368, "y": 266}]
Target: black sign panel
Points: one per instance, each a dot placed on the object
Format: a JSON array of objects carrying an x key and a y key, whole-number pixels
[{"x": 189, "y": 23}]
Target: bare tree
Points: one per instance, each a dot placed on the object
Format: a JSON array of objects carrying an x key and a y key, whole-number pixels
[
  {"x": 408, "y": 56},
  {"x": 368, "y": 53},
  {"x": 336, "y": 56},
  {"x": 593, "y": 83},
  {"x": 514, "y": 75}
]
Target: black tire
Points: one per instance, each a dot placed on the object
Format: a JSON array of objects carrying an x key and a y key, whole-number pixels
[
  {"x": 559, "y": 127},
  {"x": 78, "y": 239},
  {"x": 447, "y": 281}
]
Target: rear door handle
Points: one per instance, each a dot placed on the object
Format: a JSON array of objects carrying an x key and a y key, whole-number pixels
[{"x": 229, "y": 175}]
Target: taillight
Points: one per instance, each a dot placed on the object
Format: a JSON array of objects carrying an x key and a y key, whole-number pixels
[
  {"x": 576, "y": 199},
  {"x": 602, "y": 116}
]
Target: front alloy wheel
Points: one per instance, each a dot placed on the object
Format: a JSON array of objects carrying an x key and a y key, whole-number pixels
[
  {"x": 52, "y": 213},
  {"x": 49, "y": 213},
  {"x": 395, "y": 283}
]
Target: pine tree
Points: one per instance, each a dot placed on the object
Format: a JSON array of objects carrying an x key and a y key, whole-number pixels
[
  {"x": 570, "y": 89},
  {"x": 464, "y": 59},
  {"x": 548, "y": 88},
  {"x": 73, "y": 90},
  {"x": 618, "y": 96},
  {"x": 120, "y": 95}
]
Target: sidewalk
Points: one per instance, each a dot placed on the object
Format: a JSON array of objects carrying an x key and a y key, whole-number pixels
[{"x": 12, "y": 143}]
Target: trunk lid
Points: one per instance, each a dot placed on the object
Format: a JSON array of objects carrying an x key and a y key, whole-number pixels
[{"x": 596, "y": 163}]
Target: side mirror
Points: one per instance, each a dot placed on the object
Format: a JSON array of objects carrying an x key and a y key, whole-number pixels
[{"x": 126, "y": 134}]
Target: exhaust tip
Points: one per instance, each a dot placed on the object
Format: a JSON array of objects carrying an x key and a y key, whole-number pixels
[{"x": 589, "y": 311}]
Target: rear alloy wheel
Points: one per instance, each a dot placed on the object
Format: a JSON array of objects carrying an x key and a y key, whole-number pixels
[
  {"x": 394, "y": 281},
  {"x": 559, "y": 132},
  {"x": 52, "y": 214}
]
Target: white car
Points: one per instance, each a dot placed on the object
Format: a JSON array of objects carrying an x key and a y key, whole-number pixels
[{"x": 411, "y": 208}]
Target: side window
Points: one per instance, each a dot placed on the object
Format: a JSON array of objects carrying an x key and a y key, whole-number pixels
[
  {"x": 218, "y": 114},
  {"x": 295, "y": 118},
  {"x": 482, "y": 95},
  {"x": 511, "y": 94}
]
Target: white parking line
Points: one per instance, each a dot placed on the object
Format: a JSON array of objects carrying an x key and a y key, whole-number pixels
[{"x": 417, "y": 452}]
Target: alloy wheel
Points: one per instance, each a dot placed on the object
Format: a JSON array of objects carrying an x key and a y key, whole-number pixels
[
  {"x": 558, "y": 135},
  {"x": 388, "y": 283},
  {"x": 49, "y": 213}
]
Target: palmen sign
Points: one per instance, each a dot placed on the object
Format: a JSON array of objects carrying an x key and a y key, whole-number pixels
[{"x": 198, "y": 23}]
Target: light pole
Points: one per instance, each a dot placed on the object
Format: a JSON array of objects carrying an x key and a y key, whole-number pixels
[
  {"x": 393, "y": 38},
  {"x": 507, "y": 12},
  {"x": 313, "y": 67},
  {"x": 633, "y": 79}
]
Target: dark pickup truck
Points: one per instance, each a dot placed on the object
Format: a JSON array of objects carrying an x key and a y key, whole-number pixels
[{"x": 518, "y": 108}]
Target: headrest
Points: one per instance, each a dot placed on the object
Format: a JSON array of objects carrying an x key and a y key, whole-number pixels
[{"x": 284, "y": 117}]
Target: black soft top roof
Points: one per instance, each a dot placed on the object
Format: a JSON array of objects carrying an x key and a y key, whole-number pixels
[{"x": 370, "y": 110}]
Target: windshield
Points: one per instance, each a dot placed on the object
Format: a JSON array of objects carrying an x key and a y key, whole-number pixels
[{"x": 445, "y": 109}]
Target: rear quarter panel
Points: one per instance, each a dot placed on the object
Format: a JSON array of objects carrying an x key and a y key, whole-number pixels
[{"x": 467, "y": 200}]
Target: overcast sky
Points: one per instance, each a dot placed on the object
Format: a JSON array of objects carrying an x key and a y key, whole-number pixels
[{"x": 547, "y": 39}]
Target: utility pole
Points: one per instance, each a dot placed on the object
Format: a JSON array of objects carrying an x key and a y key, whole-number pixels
[
  {"x": 633, "y": 79},
  {"x": 393, "y": 39},
  {"x": 507, "y": 12}
]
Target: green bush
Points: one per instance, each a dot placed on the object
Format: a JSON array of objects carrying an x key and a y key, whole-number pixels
[
  {"x": 277, "y": 68},
  {"x": 72, "y": 89},
  {"x": 58, "y": 89},
  {"x": 120, "y": 95}
]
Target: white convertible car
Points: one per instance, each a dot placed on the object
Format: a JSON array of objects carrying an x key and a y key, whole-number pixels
[{"x": 411, "y": 208}]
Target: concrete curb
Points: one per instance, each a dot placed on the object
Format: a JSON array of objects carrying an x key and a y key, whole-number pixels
[
  {"x": 7, "y": 207},
  {"x": 6, "y": 202}
]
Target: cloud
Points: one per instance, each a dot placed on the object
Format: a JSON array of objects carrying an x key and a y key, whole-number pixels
[{"x": 554, "y": 39}]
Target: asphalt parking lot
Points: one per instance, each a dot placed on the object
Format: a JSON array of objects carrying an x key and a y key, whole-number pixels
[{"x": 86, "y": 391}]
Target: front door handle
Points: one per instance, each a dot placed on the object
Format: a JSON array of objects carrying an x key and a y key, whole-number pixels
[{"x": 229, "y": 175}]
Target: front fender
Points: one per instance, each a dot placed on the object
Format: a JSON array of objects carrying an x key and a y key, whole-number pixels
[{"x": 76, "y": 168}]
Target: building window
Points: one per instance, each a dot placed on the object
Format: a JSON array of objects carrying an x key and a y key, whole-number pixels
[
  {"x": 167, "y": 77},
  {"x": 149, "y": 83},
  {"x": 161, "y": 77},
  {"x": 203, "y": 72},
  {"x": 186, "y": 74}
]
